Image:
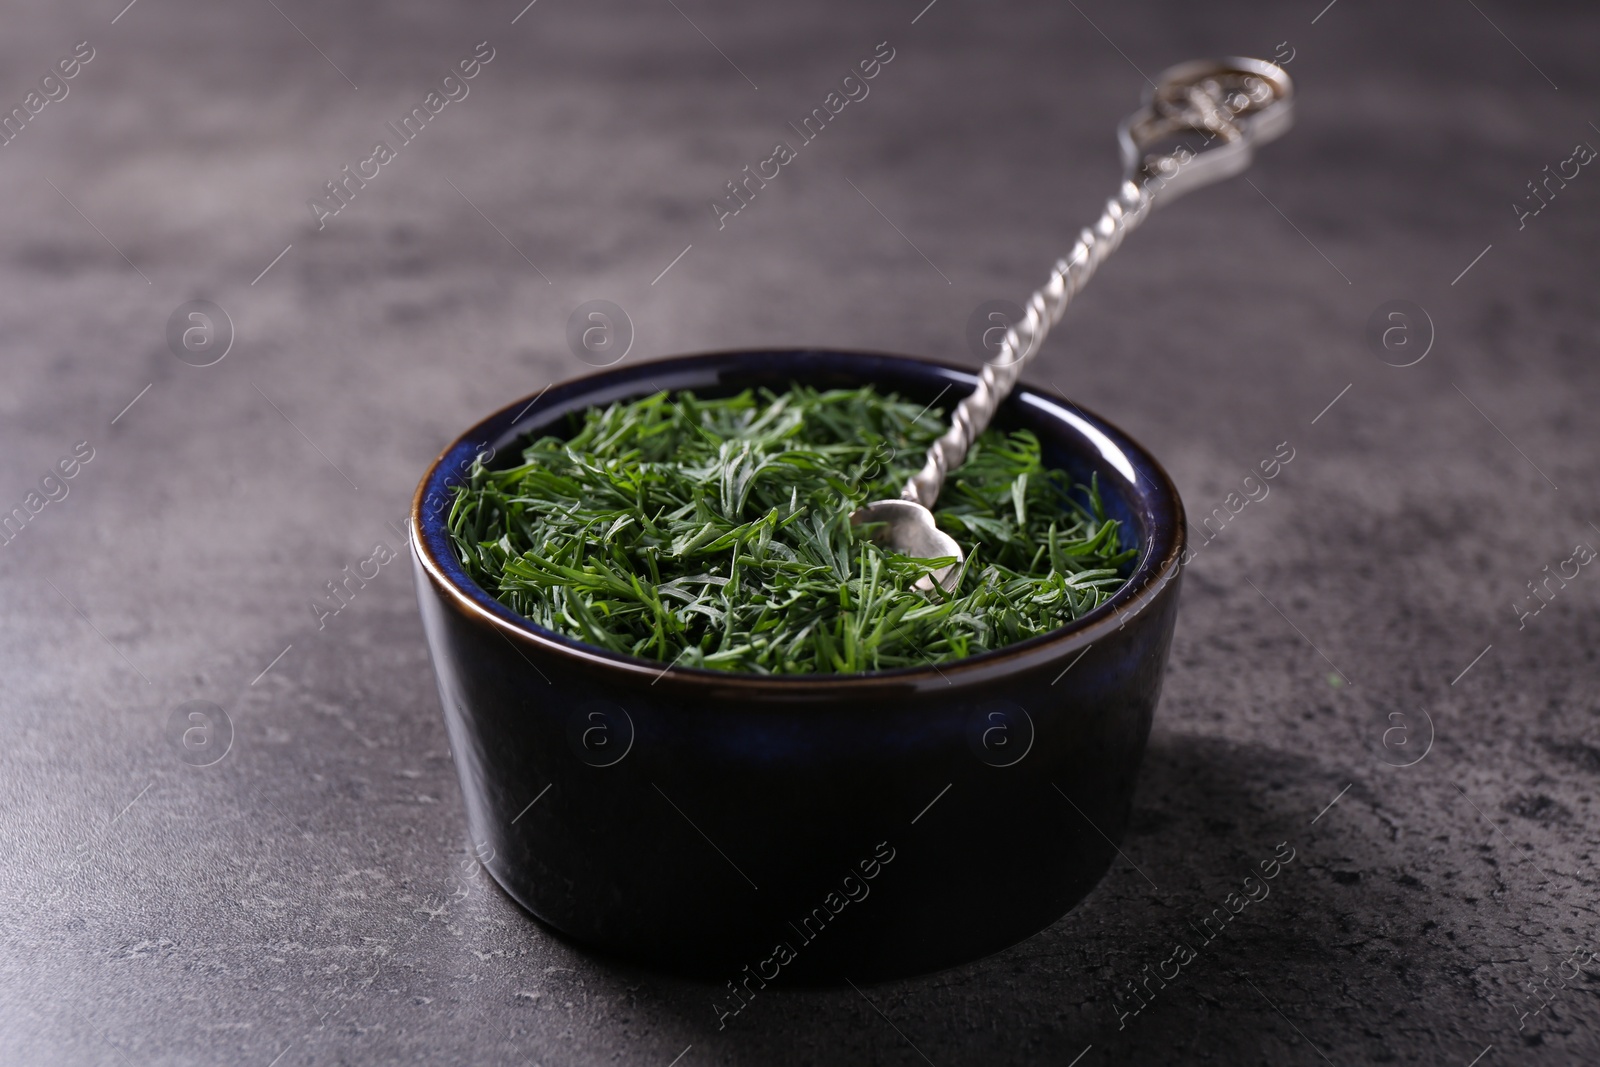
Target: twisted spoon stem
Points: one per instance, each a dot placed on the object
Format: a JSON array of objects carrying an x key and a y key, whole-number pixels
[{"x": 999, "y": 376}]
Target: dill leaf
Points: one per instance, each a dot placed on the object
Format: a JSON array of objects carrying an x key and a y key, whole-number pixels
[{"x": 715, "y": 533}]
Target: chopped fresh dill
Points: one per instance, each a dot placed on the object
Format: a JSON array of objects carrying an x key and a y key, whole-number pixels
[{"x": 716, "y": 533}]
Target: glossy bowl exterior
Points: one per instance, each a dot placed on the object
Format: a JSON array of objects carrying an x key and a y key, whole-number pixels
[{"x": 811, "y": 827}]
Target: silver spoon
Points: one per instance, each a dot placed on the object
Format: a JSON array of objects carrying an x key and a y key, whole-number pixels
[{"x": 1234, "y": 104}]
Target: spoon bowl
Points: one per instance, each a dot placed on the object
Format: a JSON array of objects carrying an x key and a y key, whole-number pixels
[{"x": 907, "y": 527}]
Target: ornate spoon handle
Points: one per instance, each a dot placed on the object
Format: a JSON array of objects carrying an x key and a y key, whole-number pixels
[{"x": 1234, "y": 104}]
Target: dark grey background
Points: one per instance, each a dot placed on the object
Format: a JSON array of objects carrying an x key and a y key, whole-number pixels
[{"x": 312, "y": 898}]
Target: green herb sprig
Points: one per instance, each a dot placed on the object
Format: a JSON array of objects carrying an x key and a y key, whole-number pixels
[{"x": 716, "y": 533}]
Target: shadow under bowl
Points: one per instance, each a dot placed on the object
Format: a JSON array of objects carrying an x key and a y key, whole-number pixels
[{"x": 752, "y": 827}]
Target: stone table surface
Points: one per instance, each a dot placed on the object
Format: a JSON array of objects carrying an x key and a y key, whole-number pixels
[{"x": 312, "y": 897}]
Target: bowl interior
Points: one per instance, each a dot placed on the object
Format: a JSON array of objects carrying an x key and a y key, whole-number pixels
[{"x": 1133, "y": 487}]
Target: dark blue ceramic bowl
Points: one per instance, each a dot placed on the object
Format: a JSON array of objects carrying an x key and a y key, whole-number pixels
[{"x": 761, "y": 829}]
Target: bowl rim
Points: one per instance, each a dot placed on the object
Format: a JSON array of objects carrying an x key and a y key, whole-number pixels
[{"x": 1158, "y": 565}]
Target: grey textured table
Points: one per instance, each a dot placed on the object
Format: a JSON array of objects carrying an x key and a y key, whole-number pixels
[{"x": 312, "y": 897}]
